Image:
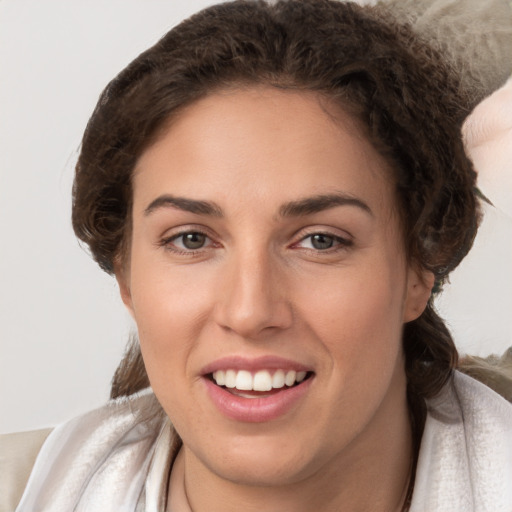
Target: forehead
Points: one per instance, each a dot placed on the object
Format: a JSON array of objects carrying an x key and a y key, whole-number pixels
[{"x": 262, "y": 144}]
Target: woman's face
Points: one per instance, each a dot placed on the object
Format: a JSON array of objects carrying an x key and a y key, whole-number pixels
[{"x": 266, "y": 254}]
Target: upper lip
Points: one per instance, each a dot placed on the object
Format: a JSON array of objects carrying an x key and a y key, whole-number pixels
[{"x": 254, "y": 364}]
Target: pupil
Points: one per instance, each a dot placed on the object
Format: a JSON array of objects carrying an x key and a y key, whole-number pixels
[
  {"x": 193, "y": 240},
  {"x": 322, "y": 241}
]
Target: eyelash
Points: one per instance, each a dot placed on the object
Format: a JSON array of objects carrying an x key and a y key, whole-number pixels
[
  {"x": 340, "y": 242},
  {"x": 167, "y": 242}
]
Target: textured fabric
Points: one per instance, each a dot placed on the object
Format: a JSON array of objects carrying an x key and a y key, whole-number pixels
[
  {"x": 119, "y": 457},
  {"x": 475, "y": 35},
  {"x": 465, "y": 461},
  {"x": 104, "y": 460},
  {"x": 494, "y": 371}
]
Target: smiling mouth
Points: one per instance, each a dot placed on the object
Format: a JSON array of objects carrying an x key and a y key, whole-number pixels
[{"x": 260, "y": 384}]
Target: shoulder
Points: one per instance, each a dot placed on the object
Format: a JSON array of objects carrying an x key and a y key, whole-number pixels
[
  {"x": 484, "y": 398},
  {"x": 85, "y": 454},
  {"x": 486, "y": 417},
  {"x": 18, "y": 452},
  {"x": 465, "y": 460}
]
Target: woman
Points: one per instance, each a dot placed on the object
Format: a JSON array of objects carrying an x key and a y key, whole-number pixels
[{"x": 278, "y": 189}]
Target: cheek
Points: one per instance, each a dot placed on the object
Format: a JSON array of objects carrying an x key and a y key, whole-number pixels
[
  {"x": 359, "y": 319},
  {"x": 170, "y": 308},
  {"x": 169, "y": 313}
]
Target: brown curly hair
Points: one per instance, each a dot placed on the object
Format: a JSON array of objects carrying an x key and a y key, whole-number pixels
[{"x": 407, "y": 97}]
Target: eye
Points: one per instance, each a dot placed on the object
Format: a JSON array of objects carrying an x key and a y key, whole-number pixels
[
  {"x": 193, "y": 240},
  {"x": 323, "y": 242},
  {"x": 188, "y": 241}
]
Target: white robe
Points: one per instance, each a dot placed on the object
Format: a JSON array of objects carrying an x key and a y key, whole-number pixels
[{"x": 118, "y": 457}]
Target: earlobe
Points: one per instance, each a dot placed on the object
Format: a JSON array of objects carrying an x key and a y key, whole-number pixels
[{"x": 419, "y": 288}]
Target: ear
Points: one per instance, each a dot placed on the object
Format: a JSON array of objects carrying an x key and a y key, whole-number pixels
[
  {"x": 419, "y": 288},
  {"x": 123, "y": 281}
]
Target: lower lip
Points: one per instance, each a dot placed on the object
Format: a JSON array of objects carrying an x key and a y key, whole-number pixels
[{"x": 256, "y": 410}]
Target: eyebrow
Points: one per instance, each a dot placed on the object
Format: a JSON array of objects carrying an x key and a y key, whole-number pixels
[
  {"x": 187, "y": 205},
  {"x": 316, "y": 204},
  {"x": 301, "y": 207}
]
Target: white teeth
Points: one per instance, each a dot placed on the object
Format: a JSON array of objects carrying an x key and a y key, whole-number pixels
[
  {"x": 220, "y": 377},
  {"x": 278, "y": 379},
  {"x": 243, "y": 381},
  {"x": 262, "y": 380},
  {"x": 289, "y": 380},
  {"x": 230, "y": 379}
]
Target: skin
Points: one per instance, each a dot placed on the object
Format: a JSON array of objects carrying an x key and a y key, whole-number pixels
[{"x": 259, "y": 286}]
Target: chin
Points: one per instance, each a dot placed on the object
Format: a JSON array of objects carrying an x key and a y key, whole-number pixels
[
  {"x": 261, "y": 473},
  {"x": 262, "y": 462}
]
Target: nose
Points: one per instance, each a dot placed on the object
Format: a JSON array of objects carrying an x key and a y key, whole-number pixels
[{"x": 252, "y": 297}]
